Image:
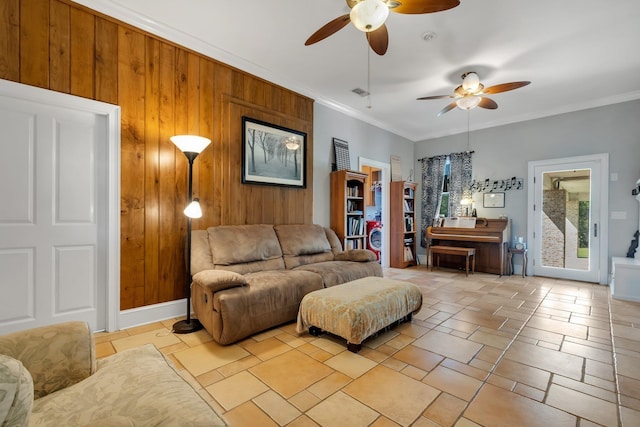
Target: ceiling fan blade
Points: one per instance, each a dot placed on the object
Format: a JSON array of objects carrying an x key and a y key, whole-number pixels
[
  {"x": 447, "y": 109},
  {"x": 424, "y": 6},
  {"x": 379, "y": 40},
  {"x": 434, "y": 97},
  {"x": 487, "y": 103},
  {"x": 328, "y": 29},
  {"x": 504, "y": 87}
]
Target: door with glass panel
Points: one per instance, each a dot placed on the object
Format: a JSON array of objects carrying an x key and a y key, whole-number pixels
[{"x": 568, "y": 222}]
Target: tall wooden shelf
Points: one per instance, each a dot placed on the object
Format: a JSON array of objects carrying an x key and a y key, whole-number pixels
[
  {"x": 402, "y": 247},
  {"x": 347, "y": 208}
]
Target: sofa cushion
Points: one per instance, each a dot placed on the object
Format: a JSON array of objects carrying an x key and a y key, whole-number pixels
[
  {"x": 235, "y": 244},
  {"x": 16, "y": 392},
  {"x": 303, "y": 244},
  {"x": 337, "y": 272},
  {"x": 270, "y": 298},
  {"x": 357, "y": 255},
  {"x": 138, "y": 385},
  {"x": 217, "y": 280}
]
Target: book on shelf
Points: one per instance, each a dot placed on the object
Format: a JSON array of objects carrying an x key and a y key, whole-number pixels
[
  {"x": 353, "y": 244},
  {"x": 408, "y": 223},
  {"x": 408, "y": 254}
]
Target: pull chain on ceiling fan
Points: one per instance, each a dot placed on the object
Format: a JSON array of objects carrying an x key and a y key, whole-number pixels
[
  {"x": 370, "y": 16},
  {"x": 470, "y": 94}
]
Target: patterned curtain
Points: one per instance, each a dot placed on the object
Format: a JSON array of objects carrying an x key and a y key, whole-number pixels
[
  {"x": 460, "y": 184},
  {"x": 432, "y": 180}
]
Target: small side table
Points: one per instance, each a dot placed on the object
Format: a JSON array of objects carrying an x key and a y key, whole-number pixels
[{"x": 522, "y": 252}]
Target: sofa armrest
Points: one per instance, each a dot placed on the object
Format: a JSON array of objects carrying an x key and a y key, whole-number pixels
[
  {"x": 357, "y": 255},
  {"x": 218, "y": 280},
  {"x": 56, "y": 356}
]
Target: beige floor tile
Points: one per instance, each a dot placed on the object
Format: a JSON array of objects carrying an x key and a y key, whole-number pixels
[
  {"x": 445, "y": 410},
  {"x": 460, "y": 325},
  {"x": 448, "y": 346},
  {"x": 277, "y": 408},
  {"x": 304, "y": 400},
  {"x": 249, "y": 415},
  {"x": 413, "y": 372},
  {"x": 329, "y": 385},
  {"x": 629, "y": 386},
  {"x": 583, "y": 405},
  {"x": 411, "y": 329},
  {"x": 452, "y": 382},
  {"x": 267, "y": 348},
  {"x": 587, "y": 352},
  {"x": 104, "y": 349},
  {"x": 463, "y": 422},
  {"x": 599, "y": 369},
  {"x": 629, "y": 417},
  {"x": 530, "y": 392},
  {"x": 384, "y": 422},
  {"x": 291, "y": 372},
  {"x": 545, "y": 359},
  {"x": 350, "y": 364},
  {"x": 628, "y": 366},
  {"x": 481, "y": 318},
  {"x": 330, "y": 345},
  {"x": 195, "y": 338},
  {"x": 522, "y": 373},
  {"x": 500, "y": 408},
  {"x": 302, "y": 421},
  {"x": 208, "y": 356},
  {"x": 582, "y": 387},
  {"x": 493, "y": 340},
  {"x": 342, "y": 410},
  {"x": 558, "y": 327},
  {"x": 239, "y": 365},
  {"x": 236, "y": 390},
  {"x": 479, "y": 374},
  {"x": 418, "y": 357},
  {"x": 408, "y": 399},
  {"x": 158, "y": 337}
]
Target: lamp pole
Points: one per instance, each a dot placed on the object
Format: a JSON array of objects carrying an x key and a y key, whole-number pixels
[{"x": 191, "y": 146}]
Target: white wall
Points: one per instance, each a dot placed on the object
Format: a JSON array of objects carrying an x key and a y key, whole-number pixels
[
  {"x": 364, "y": 140},
  {"x": 503, "y": 152}
]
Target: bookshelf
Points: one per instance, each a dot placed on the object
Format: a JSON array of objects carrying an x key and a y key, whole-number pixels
[
  {"x": 402, "y": 248},
  {"x": 347, "y": 208}
]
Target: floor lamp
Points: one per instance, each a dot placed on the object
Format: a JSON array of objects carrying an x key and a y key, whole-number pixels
[{"x": 191, "y": 146}]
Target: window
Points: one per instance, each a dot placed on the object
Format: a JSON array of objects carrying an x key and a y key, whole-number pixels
[{"x": 444, "y": 199}]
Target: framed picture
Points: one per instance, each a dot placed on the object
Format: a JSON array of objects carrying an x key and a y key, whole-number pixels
[
  {"x": 273, "y": 155},
  {"x": 493, "y": 200},
  {"x": 341, "y": 151}
]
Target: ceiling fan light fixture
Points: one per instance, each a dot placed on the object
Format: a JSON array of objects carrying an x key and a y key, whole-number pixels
[
  {"x": 369, "y": 15},
  {"x": 468, "y": 102},
  {"x": 470, "y": 82}
]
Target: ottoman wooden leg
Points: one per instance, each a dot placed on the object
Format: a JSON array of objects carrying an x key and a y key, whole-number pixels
[
  {"x": 354, "y": 348},
  {"x": 315, "y": 331}
]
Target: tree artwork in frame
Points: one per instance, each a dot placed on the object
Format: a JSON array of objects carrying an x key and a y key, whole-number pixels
[
  {"x": 273, "y": 155},
  {"x": 493, "y": 200}
]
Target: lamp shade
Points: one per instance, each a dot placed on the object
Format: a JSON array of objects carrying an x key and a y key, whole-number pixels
[
  {"x": 471, "y": 82},
  {"x": 369, "y": 15},
  {"x": 468, "y": 102},
  {"x": 193, "y": 209},
  {"x": 190, "y": 143}
]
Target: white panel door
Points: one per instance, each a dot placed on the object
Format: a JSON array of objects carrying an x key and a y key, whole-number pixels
[
  {"x": 52, "y": 265},
  {"x": 568, "y": 234}
]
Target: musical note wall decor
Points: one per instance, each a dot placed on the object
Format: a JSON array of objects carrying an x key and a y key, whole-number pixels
[{"x": 497, "y": 185}]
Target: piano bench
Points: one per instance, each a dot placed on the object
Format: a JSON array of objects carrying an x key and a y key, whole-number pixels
[{"x": 454, "y": 250}]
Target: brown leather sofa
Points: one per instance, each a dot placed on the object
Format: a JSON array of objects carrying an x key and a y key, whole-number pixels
[{"x": 248, "y": 278}]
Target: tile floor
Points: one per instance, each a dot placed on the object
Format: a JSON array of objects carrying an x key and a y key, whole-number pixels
[{"x": 483, "y": 351}]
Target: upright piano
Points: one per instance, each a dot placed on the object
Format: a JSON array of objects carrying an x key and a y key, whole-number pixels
[{"x": 490, "y": 238}]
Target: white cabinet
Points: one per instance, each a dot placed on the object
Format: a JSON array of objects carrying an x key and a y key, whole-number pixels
[{"x": 625, "y": 278}]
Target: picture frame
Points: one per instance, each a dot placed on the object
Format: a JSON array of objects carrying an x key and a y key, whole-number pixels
[
  {"x": 493, "y": 200},
  {"x": 341, "y": 151},
  {"x": 273, "y": 155}
]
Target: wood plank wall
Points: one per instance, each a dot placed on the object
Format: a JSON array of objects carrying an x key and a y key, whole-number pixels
[{"x": 163, "y": 90}]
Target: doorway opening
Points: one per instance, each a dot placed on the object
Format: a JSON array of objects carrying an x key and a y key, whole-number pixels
[
  {"x": 568, "y": 217},
  {"x": 376, "y": 207}
]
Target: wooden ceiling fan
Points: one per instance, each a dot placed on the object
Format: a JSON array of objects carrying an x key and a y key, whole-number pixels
[
  {"x": 470, "y": 94},
  {"x": 370, "y": 16}
]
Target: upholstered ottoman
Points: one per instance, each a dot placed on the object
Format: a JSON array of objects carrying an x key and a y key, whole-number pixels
[{"x": 358, "y": 309}]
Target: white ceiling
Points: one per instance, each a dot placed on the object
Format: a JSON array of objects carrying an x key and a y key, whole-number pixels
[{"x": 576, "y": 53}]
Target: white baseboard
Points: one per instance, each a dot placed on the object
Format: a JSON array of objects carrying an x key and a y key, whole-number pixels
[{"x": 151, "y": 313}]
